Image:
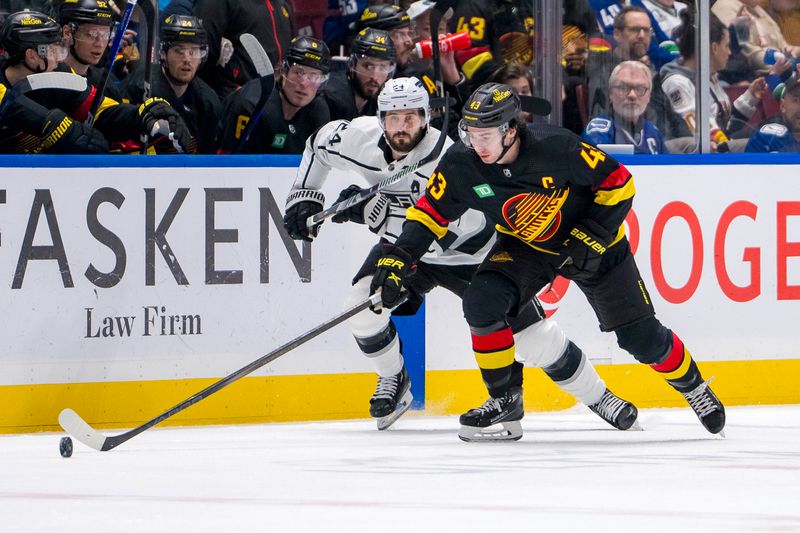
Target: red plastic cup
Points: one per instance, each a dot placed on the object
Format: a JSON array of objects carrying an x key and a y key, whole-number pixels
[{"x": 448, "y": 43}]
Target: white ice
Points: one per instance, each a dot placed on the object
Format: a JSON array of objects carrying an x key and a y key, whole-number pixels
[{"x": 570, "y": 472}]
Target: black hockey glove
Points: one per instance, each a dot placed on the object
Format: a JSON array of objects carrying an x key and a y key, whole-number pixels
[
  {"x": 62, "y": 135},
  {"x": 393, "y": 269},
  {"x": 301, "y": 204},
  {"x": 584, "y": 250},
  {"x": 372, "y": 212},
  {"x": 159, "y": 119}
]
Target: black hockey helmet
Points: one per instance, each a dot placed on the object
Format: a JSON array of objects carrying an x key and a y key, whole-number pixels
[
  {"x": 373, "y": 43},
  {"x": 182, "y": 29},
  {"x": 29, "y": 29},
  {"x": 309, "y": 52},
  {"x": 382, "y": 17},
  {"x": 86, "y": 12},
  {"x": 491, "y": 105}
]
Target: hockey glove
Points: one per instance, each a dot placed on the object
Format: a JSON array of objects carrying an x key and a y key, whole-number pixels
[
  {"x": 159, "y": 119},
  {"x": 372, "y": 212},
  {"x": 301, "y": 204},
  {"x": 393, "y": 268},
  {"x": 584, "y": 250},
  {"x": 62, "y": 135}
]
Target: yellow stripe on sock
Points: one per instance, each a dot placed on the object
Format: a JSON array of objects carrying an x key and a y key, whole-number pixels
[
  {"x": 682, "y": 369},
  {"x": 494, "y": 360}
]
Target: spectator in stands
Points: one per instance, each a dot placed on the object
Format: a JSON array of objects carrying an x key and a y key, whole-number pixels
[
  {"x": 372, "y": 61},
  {"x": 228, "y": 66},
  {"x": 184, "y": 47},
  {"x": 781, "y": 133},
  {"x": 632, "y": 34},
  {"x": 630, "y": 85},
  {"x": 88, "y": 30},
  {"x": 293, "y": 111},
  {"x": 667, "y": 14},
  {"x": 787, "y": 14},
  {"x": 677, "y": 82},
  {"x": 338, "y": 29},
  {"x": 764, "y": 32}
]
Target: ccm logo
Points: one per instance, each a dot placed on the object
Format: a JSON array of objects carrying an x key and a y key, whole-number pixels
[{"x": 588, "y": 241}]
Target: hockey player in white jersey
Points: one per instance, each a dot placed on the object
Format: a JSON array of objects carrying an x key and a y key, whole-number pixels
[{"x": 375, "y": 147}]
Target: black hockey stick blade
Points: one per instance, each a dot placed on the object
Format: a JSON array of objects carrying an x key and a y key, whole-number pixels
[
  {"x": 78, "y": 429},
  {"x": 536, "y": 105}
]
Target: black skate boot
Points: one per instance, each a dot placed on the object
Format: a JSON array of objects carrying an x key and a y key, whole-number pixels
[
  {"x": 496, "y": 420},
  {"x": 707, "y": 407},
  {"x": 392, "y": 398},
  {"x": 616, "y": 411}
]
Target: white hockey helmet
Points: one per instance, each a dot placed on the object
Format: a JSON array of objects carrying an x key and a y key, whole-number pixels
[{"x": 403, "y": 93}]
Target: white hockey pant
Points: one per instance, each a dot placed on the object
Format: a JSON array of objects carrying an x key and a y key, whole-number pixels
[
  {"x": 545, "y": 345},
  {"x": 374, "y": 333}
]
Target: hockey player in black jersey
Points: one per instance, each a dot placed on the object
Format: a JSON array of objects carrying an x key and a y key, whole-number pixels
[
  {"x": 558, "y": 205},
  {"x": 183, "y": 48},
  {"x": 51, "y": 120},
  {"x": 374, "y": 147},
  {"x": 354, "y": 92},
  {"x": 88, "y": 30},
  {"x": 293, "y": 111}
]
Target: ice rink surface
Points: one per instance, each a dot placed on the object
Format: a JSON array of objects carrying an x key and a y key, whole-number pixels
[{"x": 570, "y": 472}]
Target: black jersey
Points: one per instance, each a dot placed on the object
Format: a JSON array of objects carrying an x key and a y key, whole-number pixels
[
  {"x": 340, "y": 96},
  {"x": 556, "y": 182},
  {"x": 21, "y": 129},
  {"x": 199, "y": 106},
  {"x": 273, "y": 134},
  {"x": 505, "y": 27}
]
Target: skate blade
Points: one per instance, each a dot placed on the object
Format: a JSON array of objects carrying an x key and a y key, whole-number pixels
[
  {"x": 502, "y": 432},
  {"x": 402, "y": 406}
]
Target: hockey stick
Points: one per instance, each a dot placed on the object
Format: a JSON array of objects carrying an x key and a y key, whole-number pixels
[
  {"x": 149, "y": 11},
  {"x": 44, "y": 80},
  {"x": 436, "y": 16},
  {"x": 76, "y": 427},
  {"x": 112, "y": 58},
  {"x": 266, "y": 72},
  {"x": 536, "y": 105}
]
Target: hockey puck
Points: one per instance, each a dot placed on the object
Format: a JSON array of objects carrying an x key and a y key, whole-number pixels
[{"x": 65, "y": 447}]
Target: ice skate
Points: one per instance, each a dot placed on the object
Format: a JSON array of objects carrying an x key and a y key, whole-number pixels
[
  {"x": 392, "y": 398},
  {"x": 616, "y": 411},
  {"x": 498, "y": 419},
  {"x": 707, "y": 407}
]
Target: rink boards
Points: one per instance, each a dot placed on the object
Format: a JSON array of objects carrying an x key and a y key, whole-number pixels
[{"x": 128, "y": 289}]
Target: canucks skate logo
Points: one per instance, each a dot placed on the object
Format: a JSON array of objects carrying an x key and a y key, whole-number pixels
[{"x": 535, "y": 217}]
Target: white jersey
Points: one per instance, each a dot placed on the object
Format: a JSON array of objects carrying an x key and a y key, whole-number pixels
[{"x": 358, "y": 146}]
